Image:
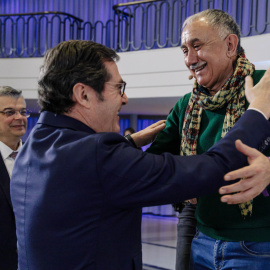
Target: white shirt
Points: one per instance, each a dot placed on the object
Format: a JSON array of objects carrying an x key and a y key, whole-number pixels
[
  {"x": 257, "y": 110},
  {"x": 5, "y": 152}
]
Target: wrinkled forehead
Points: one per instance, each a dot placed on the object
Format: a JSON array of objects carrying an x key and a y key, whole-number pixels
[
  {"x": 199, "y": 30},
  {"x": 8, "y": 102}
]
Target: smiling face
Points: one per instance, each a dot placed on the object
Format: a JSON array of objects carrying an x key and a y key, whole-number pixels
[
  {"x": 106, "y": 110},
  {"x": 12, "y": 128},
  {"x": 206, "y": 54}
]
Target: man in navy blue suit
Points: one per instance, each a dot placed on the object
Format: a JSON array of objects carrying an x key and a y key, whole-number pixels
[
  {"x": 78, "y": 187},
  {"x": 13, "y": 123}
]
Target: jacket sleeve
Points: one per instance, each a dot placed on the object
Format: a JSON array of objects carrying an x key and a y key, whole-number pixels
[
  {"x": 131, "y": 178},
  {"x": 169, "y": 139}
]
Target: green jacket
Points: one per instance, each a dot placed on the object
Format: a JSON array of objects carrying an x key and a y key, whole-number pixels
[{"x": 215, "y": 219}]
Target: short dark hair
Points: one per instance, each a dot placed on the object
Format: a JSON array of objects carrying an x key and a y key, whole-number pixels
[
  {"x": 130, "y": 129},
  {"x": 220, "y": 20},
  {"x": 8, "y": 91},
  {"x": 71, "y": 62}
]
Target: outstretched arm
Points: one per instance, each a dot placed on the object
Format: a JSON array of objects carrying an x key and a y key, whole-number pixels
[
  {"x": 149, "y": 134},
  {"x": 255, "y": 177}
]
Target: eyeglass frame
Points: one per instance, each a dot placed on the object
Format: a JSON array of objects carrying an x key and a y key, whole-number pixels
[
  {"x": 21, "y": 112},
  {"x": 123, "y": 86}
]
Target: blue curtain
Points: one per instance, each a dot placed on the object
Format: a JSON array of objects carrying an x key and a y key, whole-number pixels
[
  {"x": 124, "y": 123},
  {"x": 88, "y": 10},
  {"x": 101, "y": 10},
  {"x": 142, "y": 124}
]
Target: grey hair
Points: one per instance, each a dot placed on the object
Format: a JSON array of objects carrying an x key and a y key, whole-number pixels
[
  {"x": 221, "y": 21},
  {"x": 8, "y": 91}
]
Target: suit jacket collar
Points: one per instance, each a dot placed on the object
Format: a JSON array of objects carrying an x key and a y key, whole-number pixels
[
  {"x": 5, "y": 180},
  {"x": 63, "y": 121}
]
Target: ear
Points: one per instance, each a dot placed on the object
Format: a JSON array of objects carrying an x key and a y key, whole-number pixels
[
  {"x": 81, "y": 94},
  {"x": 232, "y": 42}
]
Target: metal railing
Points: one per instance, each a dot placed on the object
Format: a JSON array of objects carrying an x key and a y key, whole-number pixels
[
  {"x": 32, "y": 34},
  {"x": 136, "y": 25},
  {"x": 158, "y": 24}
]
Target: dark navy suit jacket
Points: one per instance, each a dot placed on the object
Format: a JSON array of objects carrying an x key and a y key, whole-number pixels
[
  {"x": 8, "y": 242},
  {"x": 77, "y": 195}
]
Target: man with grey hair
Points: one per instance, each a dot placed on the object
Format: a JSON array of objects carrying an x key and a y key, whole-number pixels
[
  {"x": 215, "y": 58},
  {"x": 13, "y": 123},
  {"x": 78, "y": 186}
]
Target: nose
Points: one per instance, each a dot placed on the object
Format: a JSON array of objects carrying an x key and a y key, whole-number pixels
[
  {"x": 191, "y": 58},
  {"x": 124, "y": 99},
  {"x": 17, "y": 115}
]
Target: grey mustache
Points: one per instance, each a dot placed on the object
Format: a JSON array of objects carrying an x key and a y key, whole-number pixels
[{"x": 197, "y": 65}]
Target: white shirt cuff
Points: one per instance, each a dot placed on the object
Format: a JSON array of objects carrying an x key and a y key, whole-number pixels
[{"x": 259, "y": 112}]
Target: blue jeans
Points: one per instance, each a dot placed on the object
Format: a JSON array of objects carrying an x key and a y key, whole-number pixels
[
  {"x": 209, "y": 253},
  {"x": 186, "y": 229}
]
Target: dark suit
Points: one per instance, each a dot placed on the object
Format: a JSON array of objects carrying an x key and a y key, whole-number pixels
[
  {"x": 8, "y": 241},
  {"x": 77, "y": 195}
]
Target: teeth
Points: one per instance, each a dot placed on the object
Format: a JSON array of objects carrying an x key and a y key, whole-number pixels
[{"x": 198, "y": 69}]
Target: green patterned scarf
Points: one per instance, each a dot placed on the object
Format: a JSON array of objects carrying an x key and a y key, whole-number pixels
[{"x": 231, "y": 95}]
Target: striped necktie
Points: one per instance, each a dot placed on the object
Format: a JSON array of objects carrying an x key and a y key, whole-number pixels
[{"x": 13, "y": 155}]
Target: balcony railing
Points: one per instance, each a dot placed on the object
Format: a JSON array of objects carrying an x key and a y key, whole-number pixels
[
  {"x": 32, "y": 34},
  {"x": 136, "y": 25},
  {"x": 158, "y": 24}
]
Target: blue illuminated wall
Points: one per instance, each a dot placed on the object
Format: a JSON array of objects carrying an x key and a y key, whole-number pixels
[
  {"x": 88, "y": 10},
  {"x": 95, "y": 10}
]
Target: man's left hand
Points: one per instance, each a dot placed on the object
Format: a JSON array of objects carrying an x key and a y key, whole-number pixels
[{"x": 255, "y": 177}]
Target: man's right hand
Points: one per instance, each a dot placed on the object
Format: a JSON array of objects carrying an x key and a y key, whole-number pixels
[
  {"x": 149, "y": 134},
  {"x": 259, "y": 95},
  {"x": 255, "y": 177}
]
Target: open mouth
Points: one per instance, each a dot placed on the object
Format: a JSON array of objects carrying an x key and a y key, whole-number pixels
[
  {"x": 18, "y": 126},
  {"x": 198, "y": 67}
]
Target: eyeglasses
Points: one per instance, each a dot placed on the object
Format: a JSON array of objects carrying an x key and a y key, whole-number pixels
[
  {"x": 121, "y": 86},
  {"x": 23, "y": 112}
]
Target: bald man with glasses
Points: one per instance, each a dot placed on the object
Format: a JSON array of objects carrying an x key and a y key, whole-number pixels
[{"x": 13, "y": 124}]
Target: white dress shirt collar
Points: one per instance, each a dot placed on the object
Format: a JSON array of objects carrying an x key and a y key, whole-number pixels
[{"x": 5, "y": 152}]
